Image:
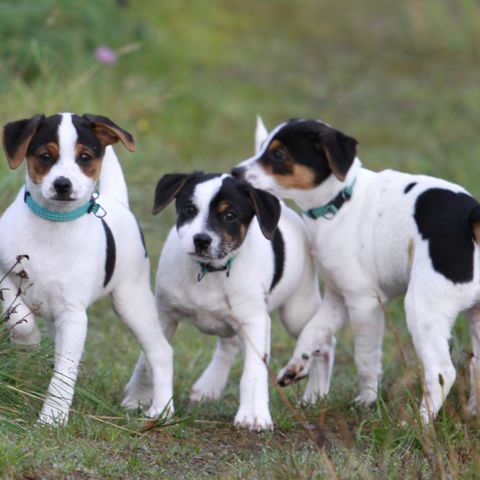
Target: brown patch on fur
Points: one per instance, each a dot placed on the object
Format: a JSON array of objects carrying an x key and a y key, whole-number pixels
[
  {"x": 223, "y": 206},
  {"x": 410, "y": 253},
  {"x": 302, "y": 177},
  {"x": 476, "y": 232},
  {"x": 275, "y": 144},
  {"x": 91, "y": 169},
  {"x": 37, "y": 169}
]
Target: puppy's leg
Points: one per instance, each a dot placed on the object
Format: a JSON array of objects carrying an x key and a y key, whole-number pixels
[
  {"x": 139, "y": 389},
  {"x": 473, "y": 316},
  {"x": 315, "y": 350},
  {"x": 430, "y": 326},
  {"x": 253, "y": 412},
  {"x": 211, "y": 383},
  {"x": 367, "y": 319},
  {"x": 20, "y": 319},
  {"x": 70, "y": 334},
  {"x": 135, "y": 304}
]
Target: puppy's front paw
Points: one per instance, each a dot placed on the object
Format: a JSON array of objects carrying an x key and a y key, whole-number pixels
[
  {"x": 255, "y": 421},
  {"x": 293, "y": 372},
  {"x": 160, "y": 411},
  {"x": 205, "y": 391},
  {"x": 52, "y": 416},
  {"x": 366, "y": 397},
  {"x": 137, "y": 400}
]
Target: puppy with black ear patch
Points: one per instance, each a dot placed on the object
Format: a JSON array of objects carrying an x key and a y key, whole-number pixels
[
  {"x": 235, "y": 254},
  {"x": 377, "y": 236},
  {"x": 80, "y": 245}
]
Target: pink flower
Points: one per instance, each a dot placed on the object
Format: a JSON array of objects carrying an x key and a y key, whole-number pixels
[{"x": 106, "y": 55}]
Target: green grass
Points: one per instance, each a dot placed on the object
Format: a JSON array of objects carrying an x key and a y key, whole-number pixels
[{"x": 401, "y": 77}]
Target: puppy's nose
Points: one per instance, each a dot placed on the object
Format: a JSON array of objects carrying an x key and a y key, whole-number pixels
[
  {"x": 62, "y": 185},
  {"x": 202, "y": 241},
  {"x": 238, "y": 172}
]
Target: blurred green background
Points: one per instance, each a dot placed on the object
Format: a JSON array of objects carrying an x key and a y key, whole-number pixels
[{"x": 188, "y": 80}]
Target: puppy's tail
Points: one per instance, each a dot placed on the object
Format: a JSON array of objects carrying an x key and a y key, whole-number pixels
[
  {"x": 112, "y": 180},
  {"x": 474, "y": 219}
]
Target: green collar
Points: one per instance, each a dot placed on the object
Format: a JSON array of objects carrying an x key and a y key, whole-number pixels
[
  {"x": 329, "y": 210},
  {"x": 209, "y": 268},
  {"x": 90, "y": 207}
]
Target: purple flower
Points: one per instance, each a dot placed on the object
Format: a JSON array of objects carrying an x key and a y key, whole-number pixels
[{"x": 106, "y": 55}]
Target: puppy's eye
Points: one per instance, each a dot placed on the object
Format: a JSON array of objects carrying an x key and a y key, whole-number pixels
[
  {"x": 229, "y": 216},
  {"x": 189, "y": 211},
  {"x": 84, "y": 158},
  {"x": 45, "y": 158},
  {"x": 277, "y": 155}
]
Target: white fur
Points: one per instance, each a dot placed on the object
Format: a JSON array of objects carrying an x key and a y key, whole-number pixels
[
  {"x": 363, "y": 257},
  {"x": 66, "y": 270},
  {"x": 237, "y": 308}
]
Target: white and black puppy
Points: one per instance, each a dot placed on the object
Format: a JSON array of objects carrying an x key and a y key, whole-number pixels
[
  {"x": 235, "y": 254},
  {"x": 80, "y": 247},
  {"x": 377, "y": 236}
]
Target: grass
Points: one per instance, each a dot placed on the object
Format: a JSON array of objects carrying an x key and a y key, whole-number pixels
[{"x": 400, "y": 77}]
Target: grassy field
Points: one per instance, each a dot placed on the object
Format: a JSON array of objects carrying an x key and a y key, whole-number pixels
[{"x": 401, "y": 77}]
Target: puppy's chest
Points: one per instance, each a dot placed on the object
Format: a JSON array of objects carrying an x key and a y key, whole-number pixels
[{"x": 209, "y": 308}]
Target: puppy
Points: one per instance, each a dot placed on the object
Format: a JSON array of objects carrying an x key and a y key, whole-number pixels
[
  {"x": 80, "y": 247},
  {"x": 377, "y": 236},
  {"x": 235, "y": 255}
]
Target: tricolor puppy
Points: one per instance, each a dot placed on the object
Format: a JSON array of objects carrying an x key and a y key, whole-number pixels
[
  {"x": 377, "y": 236},
  {"x": 236, "y": 254},
  {"x": 80, "y": 247}
]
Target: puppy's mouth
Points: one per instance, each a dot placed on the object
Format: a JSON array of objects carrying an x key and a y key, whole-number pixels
[{"x": 63, "y": 198}]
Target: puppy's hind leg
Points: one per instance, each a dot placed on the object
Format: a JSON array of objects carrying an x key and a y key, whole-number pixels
[
  {"x": 212, "y": 381},
  {"x": 135, "y": 304},
  {"x": 430, "y": 326},
  {"x": 473, "y": 316}
]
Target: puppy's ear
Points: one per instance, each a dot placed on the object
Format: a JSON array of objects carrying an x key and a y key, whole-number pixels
[
  {"x": 340, "y": 150},
  {"x": 261, "y": 133},
  {"x": 16, "y": 139},
  {"x": 109, "y": 132},
  {"x": 267, "y": 209},
  {"x": 167, "y": 189}
]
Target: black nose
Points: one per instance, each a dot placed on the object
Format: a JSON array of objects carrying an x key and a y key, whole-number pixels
[
  {"x": 202, "y": 241},
  {"x": 238, "y": 172},
  {"x": 62, "y": 185}
]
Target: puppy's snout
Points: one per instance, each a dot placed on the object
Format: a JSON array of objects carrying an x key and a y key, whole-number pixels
[
  {"x": 62, "y": 186},
  {"x": 238, "y": 172},
  {"x": 202, "y": 241}
]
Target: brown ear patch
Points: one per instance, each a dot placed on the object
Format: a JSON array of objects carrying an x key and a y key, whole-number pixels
[
  {"x": 92, "y": 168},
  {"x": 476, "y": 232},
  {"x": 38, "y": 169}
]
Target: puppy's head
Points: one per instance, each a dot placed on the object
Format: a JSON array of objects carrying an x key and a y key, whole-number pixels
[
  {"x": 214, "y": 212},
  {"x": 298, "y": 155},
  {"x": 64, "y": 153}
]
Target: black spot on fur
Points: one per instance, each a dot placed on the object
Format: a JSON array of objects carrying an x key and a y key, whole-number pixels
[
  {"x": 409, "y": 187},
  {"x": 142, "y": 237},
  {"x": 111, "y": 254},
  {"x": 47, "y": 132},
  {"x": 442, "y": 218},
  {"x": 278, "y": 246}
]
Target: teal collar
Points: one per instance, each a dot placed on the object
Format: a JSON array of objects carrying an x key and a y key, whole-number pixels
[
  {"x": 90, "y": 207},
  {"x": 329, "y": 210},
  {"x": 209, "y": 268}
]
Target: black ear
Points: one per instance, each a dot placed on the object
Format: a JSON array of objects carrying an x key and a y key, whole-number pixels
[
  {"x": 109, "y": 132},
  {"x": 267, "y": 209},
  {"x": 167, "y": 189},
  {"x": 16, "y": 138},
  {"x": 340, "y": 150}
]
